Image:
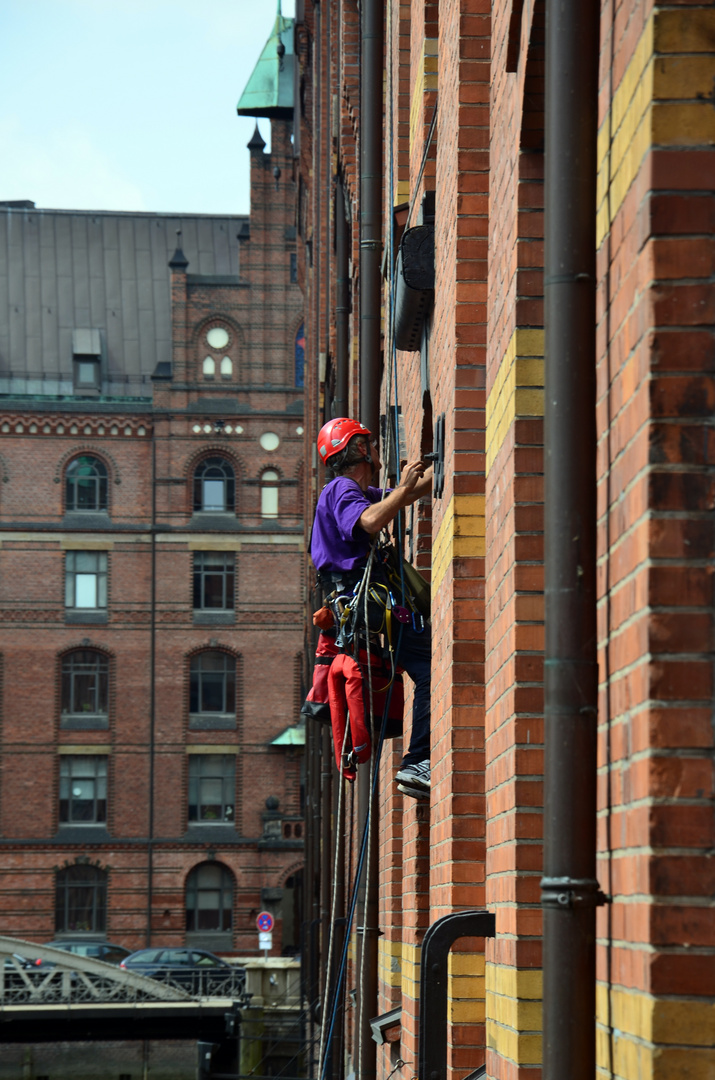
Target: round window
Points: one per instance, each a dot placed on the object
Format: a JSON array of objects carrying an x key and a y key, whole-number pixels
[
  {"x": 217, "y": 337},
  {"x": 269, "y": 440}
]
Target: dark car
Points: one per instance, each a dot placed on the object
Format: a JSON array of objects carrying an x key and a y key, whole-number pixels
[
  {"x": 96, "y": 950},
  {"x": 194, "y": 970}
]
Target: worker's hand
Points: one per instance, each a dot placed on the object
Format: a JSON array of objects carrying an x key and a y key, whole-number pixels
[{"x": 412, "y": 472}]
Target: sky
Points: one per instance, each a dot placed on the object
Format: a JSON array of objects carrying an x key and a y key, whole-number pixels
[{"x": 129, "y": 104}]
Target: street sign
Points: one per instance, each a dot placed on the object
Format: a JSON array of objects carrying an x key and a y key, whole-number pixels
[
  {"x": 265, "y": 940},
  {"x": 265, "y": 922}
]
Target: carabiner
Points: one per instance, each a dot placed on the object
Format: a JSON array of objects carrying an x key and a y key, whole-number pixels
[{"x": 422, "y": 621}]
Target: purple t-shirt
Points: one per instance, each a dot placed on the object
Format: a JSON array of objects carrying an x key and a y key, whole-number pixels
[{"x": 338, "y": 542}]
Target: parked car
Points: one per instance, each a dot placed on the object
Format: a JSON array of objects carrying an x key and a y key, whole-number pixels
[
  {"x": 194, "y": 969},
  {"x": 107, "y": 951}
]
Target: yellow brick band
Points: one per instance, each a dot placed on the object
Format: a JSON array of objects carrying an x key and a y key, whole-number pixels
[
  {"x": 658, "y": 1020},
  {"x": 663, "y": 99},
  {"x": 461, "y": 534},
  {"x": 426, "y": 80},
  {"x": 411, "y": 971},
  {"x": 389, "y": 962},
  {"x": 518, "y": 389},
  {"x": 513, "y": 1013}
]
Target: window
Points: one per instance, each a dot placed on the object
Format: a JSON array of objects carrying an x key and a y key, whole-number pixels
[
  {"x": 81, "y": 900},
  {"x": 209, "y": 899},
  {"x": 86, "y": 579},
  {"x": 293, "y": 268},
  {"x": 214, "y": 486},
  {"x": 212, "y": 787},
  {"x": 226, "y": 367},
  {"x": 86, "y": 484},
  {"x": 212, "y": 684},
  {"x": 299, "y": 356},
  {"x": 83, "y": 790},
  {"x": 209, "y": 367},
  {"x": 269, "y": 494},
  {"x": 85, "y": 682},
  {"x": 213, "y": 580}
]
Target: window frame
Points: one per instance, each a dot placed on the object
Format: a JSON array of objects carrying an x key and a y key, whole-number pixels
[
  {"x": 67, "y": 880},
  {"x": 200, "y": 502},
  {"x": 70, "y": 672},
  {"x": 225, "y": 888},
  {"x": 101, "y": 485},
  {"x": 101, "y": 574},
  {"x": 226, "y": 573},
  {"x": 270, "y": 483},
  {"x": 196, "y": 690},
  {"x": 203, "y": 771},
  {"x": 90, "y": 768}
]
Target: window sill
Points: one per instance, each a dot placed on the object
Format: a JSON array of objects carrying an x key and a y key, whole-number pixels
[
  {"x": 215, "y": 721},
  {"x": 90, "y": 722},
  {"x": 86, "y": 519},
  {"x": 214, "y": 618},
  {"x": 214, "y": 520},
  {"x": 89, "y": 616},
  {"x": 84, "y": 834}
]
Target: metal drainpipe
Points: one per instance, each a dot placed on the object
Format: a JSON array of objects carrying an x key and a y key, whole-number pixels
[
  {"x": 371, "y": 76},
  {"x": 152, "y": 693},
  {"x": 326, "y": 875},
  {"x": 569, "y": 888},
  {"x": 342, "y": 307}
]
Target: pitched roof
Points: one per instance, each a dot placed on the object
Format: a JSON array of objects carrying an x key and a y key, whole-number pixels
[{"x": 66, "y": 270}]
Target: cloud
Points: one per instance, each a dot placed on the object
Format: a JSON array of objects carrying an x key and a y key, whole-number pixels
[{"x": 62, "y": 170}]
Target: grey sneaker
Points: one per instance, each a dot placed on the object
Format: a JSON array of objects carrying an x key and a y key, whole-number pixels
[
  {"x": 413, "y": 791},
  {"x": 417, "y": 776}
]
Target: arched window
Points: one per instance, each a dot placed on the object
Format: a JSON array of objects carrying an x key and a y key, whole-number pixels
[
  {"x": 226, "y": 367},
  {"x": 209, "y": 367},
  {"x": 213, "y": 684},
  {"x": 85, "y": 686},
  {"x": 81, "y": 900},
  {"x": 86, "y": 484},
  {"x": 269, "y": 494},
  {"x": 209, "y": 904},
  {"x": 214, "y": 486}
]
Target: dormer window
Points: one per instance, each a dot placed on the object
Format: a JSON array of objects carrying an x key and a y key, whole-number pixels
[{"x": 86, "y": 356}]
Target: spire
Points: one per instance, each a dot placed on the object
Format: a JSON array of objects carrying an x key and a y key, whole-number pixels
[
  {"x": 257, "y": 142},
  {"x": 178, "y": 259},
  {"x": 269, "y": 90}
]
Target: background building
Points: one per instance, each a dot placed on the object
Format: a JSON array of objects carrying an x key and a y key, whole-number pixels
[
  {"x": 151, "y": 440},
  {"x": 431, "y": 115}
]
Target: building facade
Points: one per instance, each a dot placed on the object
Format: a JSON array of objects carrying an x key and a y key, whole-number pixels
[
  {"x": 460, "y": 155},
  {"x": 151, "y": 436}
]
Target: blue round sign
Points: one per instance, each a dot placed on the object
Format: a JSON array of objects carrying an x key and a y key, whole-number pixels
[{"x": 264, "y": 922}]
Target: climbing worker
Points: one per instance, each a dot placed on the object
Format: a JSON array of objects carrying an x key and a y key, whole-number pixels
[{"x": 349, "y": 514}]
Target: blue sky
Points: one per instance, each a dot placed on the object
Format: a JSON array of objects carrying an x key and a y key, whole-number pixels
[{"x": 129, "y": 104}]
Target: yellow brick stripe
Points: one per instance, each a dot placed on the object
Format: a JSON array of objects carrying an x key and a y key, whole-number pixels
[
  {"x": 513, "y": 1013},
  {"x": 518, "y": 388},
  {"x": 461, "y": 534},
  {"x": 466, "y": 988},
  {"x": 389, "y": 962},
  {"x": 663, "y": 99},
  {"x": 426, "y": 80},
  {"x": 661, "y": 1038}
]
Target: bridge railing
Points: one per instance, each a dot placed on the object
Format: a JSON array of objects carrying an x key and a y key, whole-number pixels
[{"x": 64, "y": 978}]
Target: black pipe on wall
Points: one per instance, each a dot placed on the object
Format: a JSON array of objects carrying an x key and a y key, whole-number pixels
[
  {"x": 569, "y": 887},
  {"x": 342, "y": 307},
  {"x": 371, "y": 109}
]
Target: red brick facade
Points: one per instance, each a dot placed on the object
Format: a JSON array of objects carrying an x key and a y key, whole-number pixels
[
  {"x": 237, "y": 401},
  {"x": 481, "y": 366}
]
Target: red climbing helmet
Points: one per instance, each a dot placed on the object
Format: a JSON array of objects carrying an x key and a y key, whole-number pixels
[{"x": 336, "y": 434}]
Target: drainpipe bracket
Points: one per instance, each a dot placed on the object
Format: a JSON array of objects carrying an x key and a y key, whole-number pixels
[
  {"x": 568, "y": 892},
  {"x": 371, "y": 245}
]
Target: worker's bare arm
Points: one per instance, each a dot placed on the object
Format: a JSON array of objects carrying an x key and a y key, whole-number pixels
[{"x": 415, "y": 483}]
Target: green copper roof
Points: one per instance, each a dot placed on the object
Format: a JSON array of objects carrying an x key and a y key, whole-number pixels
[
  {"x": 269, "y": 91},
  {"x": 292, "y": 736}
]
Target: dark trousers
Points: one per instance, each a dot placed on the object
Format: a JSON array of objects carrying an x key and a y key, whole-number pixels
[{"x": 415, "y": 656}]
